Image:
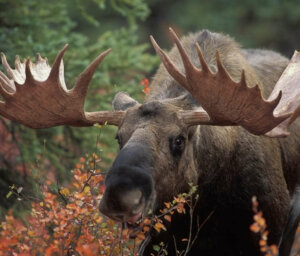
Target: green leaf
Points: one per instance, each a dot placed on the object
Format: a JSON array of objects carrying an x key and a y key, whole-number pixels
[
  {"x": 9, "y": 194},
  {"x": 156, "y": 248}
]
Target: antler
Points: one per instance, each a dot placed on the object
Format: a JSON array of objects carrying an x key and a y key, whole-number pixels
[
  {"x": 289, "y": 85},
  {"x": 36, "y": 95},
  {"x": 226, "y": 102}
]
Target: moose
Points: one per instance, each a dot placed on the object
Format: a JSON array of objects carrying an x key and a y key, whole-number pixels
[{"x": 205, "y": 122}]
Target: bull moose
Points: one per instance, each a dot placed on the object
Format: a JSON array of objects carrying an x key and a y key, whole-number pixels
[{"x": 199, "y": 124}]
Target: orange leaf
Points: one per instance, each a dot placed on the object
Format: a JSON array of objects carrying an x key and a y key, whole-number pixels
[
  {"x": 261, "y": 222},
  {"x": 146, "y": 228},
  {"x": 262, "y": 242},
  {"x": 255, "y": 228},
  {"x": 141, "y": 236},
  {"x": 167, "y": 217},
  {"x": 158, "y": 226},
  {"x": 146, "y": 89},
  {"x": 168, "y": 205},
  {"x": 273, "y": 249},
  {"x": 147, "y": 221}
]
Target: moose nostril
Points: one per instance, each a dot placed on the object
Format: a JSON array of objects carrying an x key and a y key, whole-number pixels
[
  {"x": 132, "y": 199},
  {"x": 121, "y": 206}
]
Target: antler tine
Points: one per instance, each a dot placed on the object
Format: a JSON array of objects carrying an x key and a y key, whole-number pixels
[
  {"x": 17, "y": 62},
  {"x": 85, "y": 77},
  {"x": 203, "y": 63},
  {"x": 169, "y": 65},
  {"x": 54, "y": 73},
  {"x": 6, "y": 66},
  {"x": 38, "y": 57},
  {"x": 221, "y": 70},
  {"x": 188, "y": 66},
  {"x": 289, "y": 104},
  {"x": 7, "y": 84},
  {"x": 4, "y": 93}
]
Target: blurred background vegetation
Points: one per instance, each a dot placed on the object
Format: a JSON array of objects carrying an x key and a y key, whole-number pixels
[{"x": 90, "y": 27}]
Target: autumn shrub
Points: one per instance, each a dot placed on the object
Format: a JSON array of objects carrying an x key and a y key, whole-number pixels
[
  {"x": 66, "y": 220},
  {"x": 259, "y": 226}
]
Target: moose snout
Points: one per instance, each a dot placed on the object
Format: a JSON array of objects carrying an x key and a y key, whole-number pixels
[
  {"x": 129, "y": 185},
  {"x": 124, "y": 206}
]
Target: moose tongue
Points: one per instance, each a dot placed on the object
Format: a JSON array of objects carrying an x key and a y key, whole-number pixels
[{"x": 134, "y": 218}]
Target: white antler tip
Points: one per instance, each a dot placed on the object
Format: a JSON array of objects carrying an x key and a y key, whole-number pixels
[{"x": 3, "y": 58}]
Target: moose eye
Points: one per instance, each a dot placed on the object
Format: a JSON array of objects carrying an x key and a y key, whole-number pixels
[
  {"x": 179, "y": 141},
  {"x": 177, "y": 145}
]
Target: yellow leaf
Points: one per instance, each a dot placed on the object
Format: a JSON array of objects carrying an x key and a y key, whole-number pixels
[
  {"x": 30, "y": 233},
  {"x": 65, "y": 191},
  {"x": 87, "y": 189}
]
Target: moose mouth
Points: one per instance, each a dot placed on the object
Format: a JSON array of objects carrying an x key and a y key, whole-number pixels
[
  {"x": 134, "y": 222},
  {"x": 134, "y": 219}
]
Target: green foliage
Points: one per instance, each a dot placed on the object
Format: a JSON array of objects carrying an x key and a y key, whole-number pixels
[
  {"x": 27, "y": 27},
  {"x": 272, "y": 24}
]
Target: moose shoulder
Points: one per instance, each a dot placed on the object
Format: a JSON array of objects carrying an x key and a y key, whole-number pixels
[{"x": 198, "y": 124}]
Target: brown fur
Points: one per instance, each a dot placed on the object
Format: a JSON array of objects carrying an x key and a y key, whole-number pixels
[{"x": 228, "y": 164}]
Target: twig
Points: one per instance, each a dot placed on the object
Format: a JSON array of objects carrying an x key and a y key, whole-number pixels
[
  {"x": 200, "y": 227},
  {"x": 192, "y": 207},
  {"x": 92, "y": 172},
  {"x": 175, "y": 245}
]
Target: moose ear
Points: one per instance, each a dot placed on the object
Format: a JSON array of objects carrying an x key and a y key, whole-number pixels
[{"x": 122, "y": 101}]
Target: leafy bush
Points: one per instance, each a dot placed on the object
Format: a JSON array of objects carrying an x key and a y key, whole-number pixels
[{"x": 66, "y": 220}]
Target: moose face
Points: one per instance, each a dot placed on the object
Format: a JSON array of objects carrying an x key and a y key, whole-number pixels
[{"x": 154, "y": 164}]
